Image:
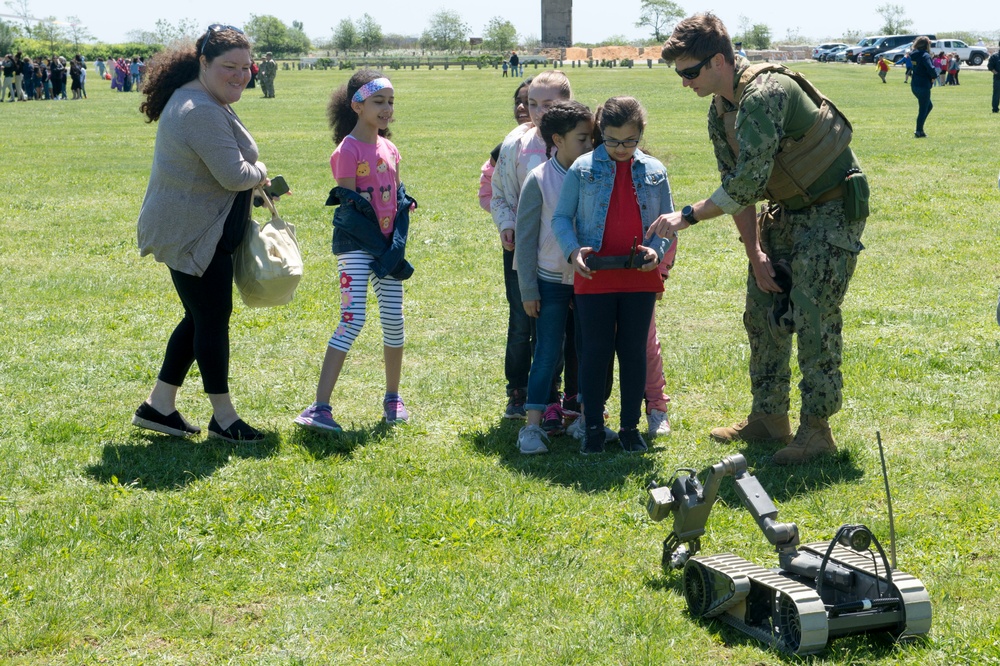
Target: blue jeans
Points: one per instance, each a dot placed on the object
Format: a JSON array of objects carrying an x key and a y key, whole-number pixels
[
  {"x": 924, "y": 105},
  {"x": 550, "y": 334}
]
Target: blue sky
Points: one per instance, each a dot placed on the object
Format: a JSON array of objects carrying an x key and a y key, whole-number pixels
[{"x": 593, "y": 20}]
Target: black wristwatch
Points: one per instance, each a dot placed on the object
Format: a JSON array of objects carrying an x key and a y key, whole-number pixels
[{"x": 687, "y": 213}]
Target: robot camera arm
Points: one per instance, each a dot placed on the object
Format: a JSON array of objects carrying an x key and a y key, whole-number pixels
[{"x": 690, "y": 502}]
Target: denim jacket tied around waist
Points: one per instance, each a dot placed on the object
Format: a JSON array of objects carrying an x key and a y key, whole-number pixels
[{"x": 355, "y": 227}]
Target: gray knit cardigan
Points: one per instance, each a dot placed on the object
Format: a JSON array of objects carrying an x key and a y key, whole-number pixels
[{"x": 203, "y": 157}]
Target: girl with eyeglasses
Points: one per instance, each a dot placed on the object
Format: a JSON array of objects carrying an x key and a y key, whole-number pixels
[
  {"x": 609, "y": 199},
  {"x": 195, "y": 214}
]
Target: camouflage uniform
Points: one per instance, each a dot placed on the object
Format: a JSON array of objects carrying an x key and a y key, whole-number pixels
[
  {"x": 817, "y": 242},
  {"x": 268, "y": 70}
]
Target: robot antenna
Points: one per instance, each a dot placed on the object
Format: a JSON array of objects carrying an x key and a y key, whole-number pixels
[{"x": 888, "y": 497}]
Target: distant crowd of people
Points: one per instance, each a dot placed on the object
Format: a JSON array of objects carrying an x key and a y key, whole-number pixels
[
  {"x": 125, "y": 75},
  {"x": 946, "y": 67},
  {"x": 40, "y": 78},
  {"x": 25, "y": 78}
]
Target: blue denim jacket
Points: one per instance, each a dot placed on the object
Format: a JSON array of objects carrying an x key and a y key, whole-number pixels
[
  {"x": 355, "y": 227},
  {"x": 586, "y": 193}
]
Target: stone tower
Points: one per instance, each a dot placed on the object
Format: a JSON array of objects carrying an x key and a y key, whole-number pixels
[{"x": 557, "y": 22}]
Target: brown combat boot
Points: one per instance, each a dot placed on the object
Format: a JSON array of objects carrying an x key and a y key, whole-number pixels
[
  {"x": 812, "y": 440},
  {"x": 772, "y": 428}
]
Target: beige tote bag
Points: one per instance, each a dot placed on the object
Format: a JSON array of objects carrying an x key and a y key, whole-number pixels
[{"x": 268, "y": 265}]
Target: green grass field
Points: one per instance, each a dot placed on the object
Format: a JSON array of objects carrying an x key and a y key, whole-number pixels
[{"x": 438, "y": 543}]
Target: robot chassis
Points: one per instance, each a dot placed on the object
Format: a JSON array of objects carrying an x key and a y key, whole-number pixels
[{"x": 819, "y": 591}]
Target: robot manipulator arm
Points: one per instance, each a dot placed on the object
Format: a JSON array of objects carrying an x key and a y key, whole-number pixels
[
  {"x": 783, "y": 536},
  {"x": 684, "y": 499},
  {"x": 690, "y": 503}
]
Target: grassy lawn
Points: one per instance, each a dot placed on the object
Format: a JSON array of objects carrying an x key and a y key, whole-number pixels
[{"x": 437, "y": 542}]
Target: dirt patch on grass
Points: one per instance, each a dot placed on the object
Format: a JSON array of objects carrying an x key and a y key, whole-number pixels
[{"x": 616, "y": 53}]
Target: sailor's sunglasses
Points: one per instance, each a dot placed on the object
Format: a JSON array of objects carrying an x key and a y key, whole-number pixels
[{"x": 692, "y": 73}]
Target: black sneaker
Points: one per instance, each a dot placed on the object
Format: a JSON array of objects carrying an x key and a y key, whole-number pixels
[
  {"x": 237, "y": 433},
  {"x": 632, "y": 441},
  {"x": 515, "y": 405},
  {"x": 170, "y": 424},
  {"x": 594, "y": 440}
]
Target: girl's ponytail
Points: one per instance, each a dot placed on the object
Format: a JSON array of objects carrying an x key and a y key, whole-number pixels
[{"x": 341, "y": 116}]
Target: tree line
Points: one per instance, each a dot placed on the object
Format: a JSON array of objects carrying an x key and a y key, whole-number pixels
[
  {"x": 445, "y": 31},
  {"x": 50, "y": 35}
]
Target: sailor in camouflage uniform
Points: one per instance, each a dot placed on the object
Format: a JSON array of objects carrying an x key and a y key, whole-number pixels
[{"x": 779, "y": 140}]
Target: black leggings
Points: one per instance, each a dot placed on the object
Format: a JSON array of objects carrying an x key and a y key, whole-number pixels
[
  {"x": 614, "y": 323},
  {"x": 203, "y": 333}
]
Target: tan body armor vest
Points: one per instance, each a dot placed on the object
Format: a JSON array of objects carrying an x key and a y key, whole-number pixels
[{"x": 800, "y": 161}]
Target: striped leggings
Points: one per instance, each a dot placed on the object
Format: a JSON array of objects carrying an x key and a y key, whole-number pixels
[{"x": 355, "y": 273}]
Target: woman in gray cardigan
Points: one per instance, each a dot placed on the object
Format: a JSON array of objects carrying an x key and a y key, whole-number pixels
[{"x": 195, "y": 213}]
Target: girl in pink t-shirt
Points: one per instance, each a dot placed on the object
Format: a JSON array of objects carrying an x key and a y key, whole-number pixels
[
  {"x": 365, "y": 162},
  {"x": 374, "y": 168}
]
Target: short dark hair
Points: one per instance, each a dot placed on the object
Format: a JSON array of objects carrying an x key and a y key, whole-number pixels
[
  {"x": 524, "y": 86},
  {"x": 561, "y": 118},
  {"x": 922, "y": 43},
  {"x": 698, "y": 37}
]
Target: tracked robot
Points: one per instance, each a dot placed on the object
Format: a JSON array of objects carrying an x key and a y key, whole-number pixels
[{"x": 818, "y": 592}]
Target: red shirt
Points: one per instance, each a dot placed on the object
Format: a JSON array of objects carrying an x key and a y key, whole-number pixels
[{"x": 622, "y": 227}]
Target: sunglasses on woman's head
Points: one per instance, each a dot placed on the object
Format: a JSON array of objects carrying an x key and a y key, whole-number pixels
[
  {"x": 693, "y": 72},
  {"x": 216, "y": 27}
]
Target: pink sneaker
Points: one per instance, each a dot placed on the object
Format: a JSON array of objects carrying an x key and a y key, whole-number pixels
[
  {"x": 318, "y": 417},
  {"x": 552, "y": 420},
  {"x": 394, "y": 410}
]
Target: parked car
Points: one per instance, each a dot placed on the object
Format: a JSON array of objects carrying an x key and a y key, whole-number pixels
[
  {"x": 824, "y": 56},
  {"x": 837, "y": 55},
  {"x": 851, "y": 53},
  {"x": 898, "y": 53},
  {"x": 820, "y": 51},
  {"x": 973, "y": 55},
  {"x": 883, "y": 44}
]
